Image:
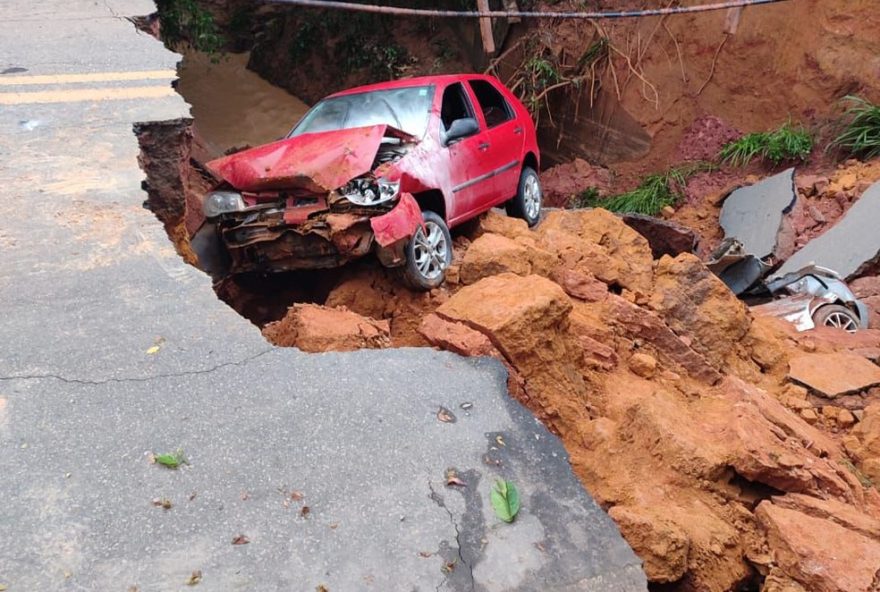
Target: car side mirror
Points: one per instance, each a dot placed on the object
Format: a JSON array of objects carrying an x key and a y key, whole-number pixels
[{"x": 461, "y": 128}]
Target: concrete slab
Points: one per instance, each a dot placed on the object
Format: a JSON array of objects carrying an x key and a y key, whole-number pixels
[
  {"x": 850, "y": 246},
  {"x": 754, "y": 214},
  {"x": 89, "y": 285},
  {"x": 833, "y": 375}
]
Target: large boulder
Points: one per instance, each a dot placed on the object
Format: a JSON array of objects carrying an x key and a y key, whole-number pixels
[
  {"x": 820, "y": 554},
  {"x": 699, "y": 307},
  {"x": 527, "y": 320},
  {"x": 314, "y": 328},
  {"x": 491, "y": 254},
  {"x": 598, "y": 242}
]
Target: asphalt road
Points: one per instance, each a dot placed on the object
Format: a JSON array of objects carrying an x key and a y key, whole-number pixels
[{"x": 111, "y": 348}]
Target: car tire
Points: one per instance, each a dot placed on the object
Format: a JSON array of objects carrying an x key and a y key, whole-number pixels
[
  {"x": 837, "y": 316},
  {"x": 428, "y": 254},
  {"x": 526, "y": 204}
]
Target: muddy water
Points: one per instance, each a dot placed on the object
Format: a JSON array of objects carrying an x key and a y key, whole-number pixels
[{"x": 233, "y": 106}]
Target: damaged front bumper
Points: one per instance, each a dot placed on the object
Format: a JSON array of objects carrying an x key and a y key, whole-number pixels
[{"x": 311, "y": 233}]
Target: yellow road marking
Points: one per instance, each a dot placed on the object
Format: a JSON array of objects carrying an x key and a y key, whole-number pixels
[
  {"x": 91, "y": 77},
  {"x": 86, "y": 94}
]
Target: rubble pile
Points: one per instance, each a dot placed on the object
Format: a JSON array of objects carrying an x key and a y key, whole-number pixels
[{"x": 686, "y": 416}]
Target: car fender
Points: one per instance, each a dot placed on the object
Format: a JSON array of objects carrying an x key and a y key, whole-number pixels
[{"x": 399, "y": 224}]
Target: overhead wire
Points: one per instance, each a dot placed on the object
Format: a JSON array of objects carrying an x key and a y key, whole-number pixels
[{"x": 403, "y": 11}]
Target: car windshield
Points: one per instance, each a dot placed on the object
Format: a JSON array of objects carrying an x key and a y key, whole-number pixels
[{"x": 406, "y": 109}]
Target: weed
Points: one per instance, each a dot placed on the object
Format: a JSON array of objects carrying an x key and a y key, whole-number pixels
[
  {"x": 863, "y": 479},
  {"x": 184, "y": 21},
  {"x": 588, "y": 198},
  {"x": 861, "y": 136},
  {"x": 783, "y": 144},
  {"x": 654, "y": 193}
]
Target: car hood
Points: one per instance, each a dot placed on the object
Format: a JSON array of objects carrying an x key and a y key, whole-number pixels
[{"x": 318, "y": 162}]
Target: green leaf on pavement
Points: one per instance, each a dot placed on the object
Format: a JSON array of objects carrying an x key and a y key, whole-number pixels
[
  {"x": 172, "y": 460},
  {"x": 505, "y": 500}
]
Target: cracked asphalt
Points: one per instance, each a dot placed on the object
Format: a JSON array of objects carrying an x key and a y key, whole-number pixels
[{"x": 113, "y": 348}]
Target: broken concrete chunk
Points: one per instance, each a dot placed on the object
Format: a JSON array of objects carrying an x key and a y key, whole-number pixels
[
  {"x": 850, "y": 247},
  {"x": 754, "y": 214},
  {"x": 833, "y": 375}
]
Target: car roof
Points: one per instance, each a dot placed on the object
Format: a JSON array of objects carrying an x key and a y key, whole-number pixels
[{"x": 414, "y": 81}]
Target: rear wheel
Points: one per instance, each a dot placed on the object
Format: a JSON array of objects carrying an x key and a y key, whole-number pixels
[
  {"x": 526, "y": 204},
  {"x": 428, "y": 254},
  {"x": 837, "y": 316}
]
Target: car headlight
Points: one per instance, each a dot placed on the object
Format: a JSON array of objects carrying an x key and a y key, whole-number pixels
[
  {"x": 365, "y": 192},
  {"x": 222, "y": 202}
]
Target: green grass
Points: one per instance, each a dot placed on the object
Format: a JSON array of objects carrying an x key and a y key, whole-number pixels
[
  {"x": 861, "y": 136},
  {"x": 587, "y": 198},
  {"x": 654, "y": 193},
  {"x": 782, "y": 144}
]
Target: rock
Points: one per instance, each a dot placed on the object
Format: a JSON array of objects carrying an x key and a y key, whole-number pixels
[
  {"x": 845, "y": 418},
  {"x": 598, "y": 242},
  {"x": 809, "y": 416},
  {"x": 817, "y": 553},
  {"x": 664, "y": 237},
  {"x": 580, "y": 285},
  {"x": 850, "y": 247},
  {"x": 566, "y": 181},
  {"x": 527, "y": 320},
  {"x": 456, "y": 337},
  {"x": 659, "y": 543},
  {"x": 696, "y": 304},
  {"x": 846, "y": 515},
  {"x": 498, "y": 223},
  {"x": 830, "y": 412},
  {"x": 643, "y": 365},
  {"x": 754, "y": 214},
  {"x": 834, "y": 374},
  {"x": 777, "y": 581},
  {"x": 314, "y": 328},
  {"x": 868, "y": 433},
  {"x": 642, "y": 324},
  {"x": 492, "y": 254}
]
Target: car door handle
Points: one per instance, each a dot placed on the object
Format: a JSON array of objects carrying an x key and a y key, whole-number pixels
[
  {"x": 483, "y": 146},
  {"x": 518, "y": 130}
]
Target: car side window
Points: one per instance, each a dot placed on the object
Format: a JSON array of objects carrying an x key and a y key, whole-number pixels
[
  {"x": 455, "y": 105},
  {"x": 496, "y": 110}
]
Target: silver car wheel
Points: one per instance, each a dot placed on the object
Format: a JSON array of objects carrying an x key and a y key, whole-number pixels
[
  {"x": 839, "y": 320},
  {"x": 431, "y": 251},
  {"x": 532, "y": 197}
]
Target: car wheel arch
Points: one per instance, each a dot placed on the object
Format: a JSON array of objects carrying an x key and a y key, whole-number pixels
[
  {"x": 530, "y": 160},
  {"x": 432, "y": 200}
]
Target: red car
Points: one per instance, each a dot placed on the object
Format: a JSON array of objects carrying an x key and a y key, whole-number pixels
[{"x": 385, "y": 169}]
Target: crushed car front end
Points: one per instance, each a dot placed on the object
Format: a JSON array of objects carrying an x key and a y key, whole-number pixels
[{"x": 313, "y": 201}]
